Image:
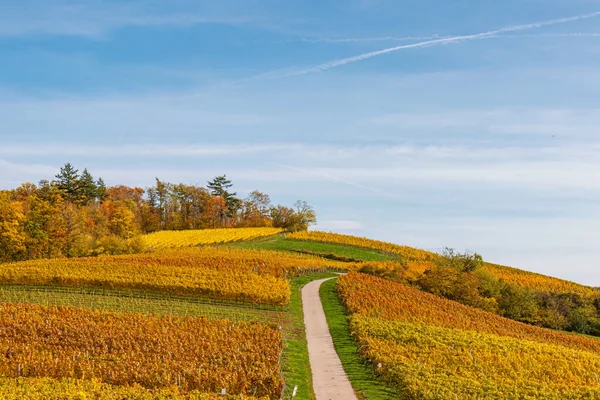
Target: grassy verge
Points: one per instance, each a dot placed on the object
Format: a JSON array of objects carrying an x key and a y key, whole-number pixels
[
  {"x": 361, "y": 376},
  {"x": 336, "y": 251},
  {"x": 295, "y": 361}
]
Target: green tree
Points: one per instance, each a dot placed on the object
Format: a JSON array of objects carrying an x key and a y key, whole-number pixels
[
  {"x": 219, "y": 187},
  {"x": 88, "y": 190},
  {"x": 521, "y": 304},
  {"x": 68, "y": 181},
  {"x": 440, "y": 280},
  {"x": 583, "y": 320},
  {"x": 464, "y": 262},
  {"x": 101, "y": 191}
]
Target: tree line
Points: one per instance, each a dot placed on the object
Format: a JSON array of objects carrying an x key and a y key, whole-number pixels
[{"x": 75, "y": 214}]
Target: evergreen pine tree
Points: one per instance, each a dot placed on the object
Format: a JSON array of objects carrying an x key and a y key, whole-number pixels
[
  {"x": 218, "y": 187},
  {"x": 101, "y": 192},
  {"x": 88, "y": 191},
  {"x": 68, "y": 181}
]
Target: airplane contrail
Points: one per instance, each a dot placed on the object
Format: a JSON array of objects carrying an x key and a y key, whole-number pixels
[
  {"x": 446, "y": 40},
  {"x": 551, "y": 35},
  {"x": 435, "y": 36},
  {"x": 370, "y": 39}
]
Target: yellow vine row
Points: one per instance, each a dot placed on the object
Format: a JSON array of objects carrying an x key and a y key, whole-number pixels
[
  {"x": 125, "y": 349},
  {"x": 188, "y": 238},
  {"x": 215, "y": 272}
]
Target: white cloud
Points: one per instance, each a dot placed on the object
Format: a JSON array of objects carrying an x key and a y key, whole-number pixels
[
  {"x": 537, "y": 121},
  {"x": 123, "y": 116},
  {"x": 12, "y": 174},
  {"x": 142, "y": 150},
  {"x": 544, "y": 175},
  {"x": 376, "y": 169}
]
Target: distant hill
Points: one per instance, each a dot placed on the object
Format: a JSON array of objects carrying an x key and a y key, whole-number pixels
[{"x": 521, "y": 295}]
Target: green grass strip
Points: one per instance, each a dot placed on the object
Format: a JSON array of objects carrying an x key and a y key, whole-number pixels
[
  {"x": 363, "y": 379},
  {"x": 295, "y": 361},
  {"x": 327, "y": 250}
]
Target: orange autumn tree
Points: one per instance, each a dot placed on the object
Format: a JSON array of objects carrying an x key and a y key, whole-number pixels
[{"x": 77, "y": 215}]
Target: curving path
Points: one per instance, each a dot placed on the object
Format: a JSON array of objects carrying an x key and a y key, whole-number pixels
[{"x": 329, "y": 379}]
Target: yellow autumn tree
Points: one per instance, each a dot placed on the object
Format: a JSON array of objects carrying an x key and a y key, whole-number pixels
[{"x": 12, "y": 235}]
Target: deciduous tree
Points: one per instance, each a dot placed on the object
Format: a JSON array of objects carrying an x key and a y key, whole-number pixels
[{"x": 12, "y": 234}]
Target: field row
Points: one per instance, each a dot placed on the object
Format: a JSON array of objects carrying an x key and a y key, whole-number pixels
[
  {"x": 431, "y": 362},
  {"x": 125, "y": 349},
  {"x": 539, "y": 282},
  {"x": 200, "y": 237},
  {"x": 374, "y": 297},
  {"x": 408, "y": 253},
  {"x": 80, "y": 389},
  {"x": 433, "y": 348},
  {"x": 220, "y": 273},
  {"x": 142, "y": 303}
]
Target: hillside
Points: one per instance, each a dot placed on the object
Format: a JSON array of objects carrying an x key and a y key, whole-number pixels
[
  {"x": 522, "y": 295},
  {"x": 432, "y": 348},
  {"x": 134, "y": 300},
  {"x": 419, "y": 261},
  {"x": 241, "y": 286}
]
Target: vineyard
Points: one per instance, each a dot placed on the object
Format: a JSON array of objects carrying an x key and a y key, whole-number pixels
[
  {"x": 193, "y": 354},
  {"x": 235, "y": 292},
  {"x": 215, "y": 272},
  {"x": 189, "y": 238},
  {"x": 432, "y": 348},
  {"x": 538, "y": 281},
  {"x": 203, "y": 311},
  {"x": 147, "y": 303},
  {"x": 418, "y": 261},
  {"x": 48, "y": 388},
  {"x": 241, "y": 297}
]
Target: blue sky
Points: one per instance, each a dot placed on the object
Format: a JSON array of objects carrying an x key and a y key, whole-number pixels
[{"x": 469, "y": 124}]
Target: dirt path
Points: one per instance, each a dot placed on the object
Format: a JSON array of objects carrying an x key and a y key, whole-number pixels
[{"x": 329, "y": 379}]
